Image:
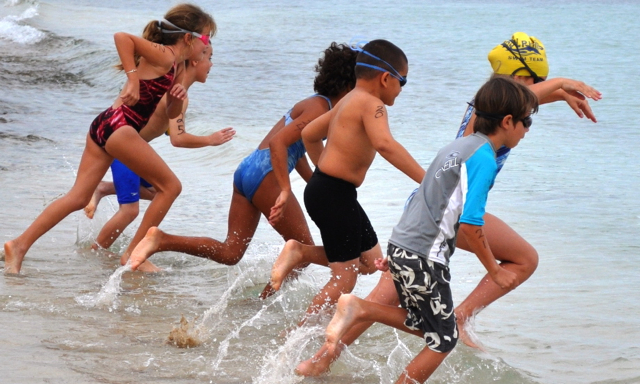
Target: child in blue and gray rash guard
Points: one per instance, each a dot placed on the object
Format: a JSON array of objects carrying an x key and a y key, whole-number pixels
[{"x": 451, "y": 199}]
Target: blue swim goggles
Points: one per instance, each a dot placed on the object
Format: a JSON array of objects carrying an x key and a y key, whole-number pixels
[{"x": 396, "y": 74}]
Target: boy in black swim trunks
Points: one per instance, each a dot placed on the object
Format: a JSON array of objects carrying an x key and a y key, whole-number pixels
[{"x": 356, "y": 129}]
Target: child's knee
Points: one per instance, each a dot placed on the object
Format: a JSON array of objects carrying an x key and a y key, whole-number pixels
[{"x": 130, "y": 211}]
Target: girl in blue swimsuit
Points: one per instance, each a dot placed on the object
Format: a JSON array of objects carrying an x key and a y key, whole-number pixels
[
  {"x": 513, "y": 251},
  {"x": 261, "y": 182}
]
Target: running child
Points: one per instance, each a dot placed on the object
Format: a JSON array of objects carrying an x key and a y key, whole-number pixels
[
  {"x": 355, "y": 130},
  {"x": 261, "y": 184},
  {"x": 153, "y": 68},
  {"x": 450, "y": 200},
  {"x": 128, "y": 186},
  {"x": 525, "y": 61}
]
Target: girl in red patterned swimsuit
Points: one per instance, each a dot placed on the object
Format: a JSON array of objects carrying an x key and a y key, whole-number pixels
[{"x": 154, "y": 66}]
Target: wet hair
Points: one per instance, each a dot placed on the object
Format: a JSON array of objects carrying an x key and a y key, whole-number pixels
[
  {"x": 336, "y": 70},
  {"x": 499, "y": 97},
  {"x": 186, "y": 16},
  {"x": 386, "y": 51}
]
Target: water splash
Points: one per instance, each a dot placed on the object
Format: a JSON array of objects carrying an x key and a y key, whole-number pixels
[
  {"x": 224, "y": 345},
  {"x": 188, "y": 334},
  {"x": 108, "y": 295},
  {"x": 279, "y": 367},
  {"x": 12, "y": 30}
]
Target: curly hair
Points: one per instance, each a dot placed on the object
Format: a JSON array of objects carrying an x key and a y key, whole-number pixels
[{"x": 336, "y": 70}]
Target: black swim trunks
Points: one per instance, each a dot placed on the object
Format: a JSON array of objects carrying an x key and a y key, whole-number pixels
[
  {"x": 344, "y": 226},
  {"x": 424, "y": 291}
]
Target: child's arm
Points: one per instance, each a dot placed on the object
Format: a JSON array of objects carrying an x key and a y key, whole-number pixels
[
  {"x": 478, "y": 244},
  {"x": 158, "y": 62},
  {"x": 578, "y": 103},
  {"x": 572, "y": 91},
  {"x": 313, "y": 135},
  {"x": 180, "y": 138},
  {"x": 303, "y": 169},
  {"x": 278, "y": 146},
  {"x": 177, "y": 94},
  {"x": 376, "y": 125}
]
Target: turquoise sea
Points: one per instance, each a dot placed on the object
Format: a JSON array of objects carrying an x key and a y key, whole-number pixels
[{"x": 570, "y": 188}]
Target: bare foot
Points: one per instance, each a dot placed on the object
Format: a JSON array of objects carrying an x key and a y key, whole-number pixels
[
  {"x": 289, "y": 258},
  {"x": 347, "y": 313},
  {"x": 319, "y": 363},
  {"x": 465, "y": 334},
  {"x": 267, "y": 291},
  {"x": 145, "y": 248},
  {"x": 13, "y": 256},
  {"x": 148, "y": 267},
  {"x": 98, "y": 194}
]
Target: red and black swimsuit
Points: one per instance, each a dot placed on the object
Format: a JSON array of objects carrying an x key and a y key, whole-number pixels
[{"x": 137, "y": 116}]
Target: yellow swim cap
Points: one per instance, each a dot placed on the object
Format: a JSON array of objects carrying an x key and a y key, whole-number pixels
[{"x": 514, "y": 56}]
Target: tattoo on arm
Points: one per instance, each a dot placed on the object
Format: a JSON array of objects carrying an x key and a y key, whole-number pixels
[
  {"x": 180, "y": 122},
  {"x": 379, "y": 111},
  {"x": 480, "y": 234}
]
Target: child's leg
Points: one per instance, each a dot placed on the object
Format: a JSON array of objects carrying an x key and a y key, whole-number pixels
[
  {"x": 242, "y": 224},
  {"x": 516, "y": 254},
  {"x": 293, "y": 225},
  {"x": 343, "y": 279},
  {"x": 421, "y": 367},
  {"x": 292, "y": 255},
  {"x": 114, "y": 227},
  {"x": 105, "y": 188},
  {"x": 384, "y": 293},
  {"x": 93, "y": 166},
  {"x": 353, "y": 311},
  {"x": 126, "y": 145}
]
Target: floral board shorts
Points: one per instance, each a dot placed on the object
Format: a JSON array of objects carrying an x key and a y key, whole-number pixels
[{"x": 423, "y": 289}]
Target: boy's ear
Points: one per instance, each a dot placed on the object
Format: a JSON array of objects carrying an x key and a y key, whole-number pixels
[
  {"x": 507, "y": 122},
  {"x": 384, "y": 79}
]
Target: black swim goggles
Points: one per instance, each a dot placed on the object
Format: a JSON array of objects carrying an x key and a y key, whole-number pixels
[
  {"x": 396, "y": 74},
  {"x": 526, "y": 121},
  {"x": 518, "y": 55}
]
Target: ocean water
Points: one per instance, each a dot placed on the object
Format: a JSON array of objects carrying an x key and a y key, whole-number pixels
[{"x": 570, "y": 188}]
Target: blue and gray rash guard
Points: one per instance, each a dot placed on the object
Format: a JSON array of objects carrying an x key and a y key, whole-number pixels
[{"x": 453, "y": 191}]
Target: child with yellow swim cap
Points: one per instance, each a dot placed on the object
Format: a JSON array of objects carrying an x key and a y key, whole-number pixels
[{"x": 523, "y": 58}]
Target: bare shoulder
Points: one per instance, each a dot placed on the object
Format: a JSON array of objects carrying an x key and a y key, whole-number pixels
[{"x": 311, "y": 103}]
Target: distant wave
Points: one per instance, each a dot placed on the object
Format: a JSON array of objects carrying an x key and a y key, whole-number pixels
[
  {"x": 26, "y": 139},
  {"x": 11, "y": 29}
]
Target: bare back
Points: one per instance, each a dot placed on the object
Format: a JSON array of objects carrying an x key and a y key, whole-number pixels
[{"x": 349, "y": 152}]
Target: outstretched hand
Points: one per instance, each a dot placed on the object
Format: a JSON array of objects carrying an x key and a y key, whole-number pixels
[
  {"x": 580, "y": 106},
  {"x": 222, "y": 136},
  {"x": 277, "y": 211},
  {"x": 580, "y": 90}
]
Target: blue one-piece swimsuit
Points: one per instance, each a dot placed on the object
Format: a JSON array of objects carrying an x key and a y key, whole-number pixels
[{"x": 255, "y": 167}]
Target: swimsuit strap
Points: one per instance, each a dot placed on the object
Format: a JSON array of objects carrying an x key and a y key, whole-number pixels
[{"x": 326, "y": 98}]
